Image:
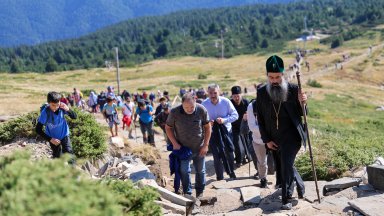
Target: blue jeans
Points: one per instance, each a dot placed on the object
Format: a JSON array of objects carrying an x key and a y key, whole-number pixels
[{"x": 185, "y": 171}]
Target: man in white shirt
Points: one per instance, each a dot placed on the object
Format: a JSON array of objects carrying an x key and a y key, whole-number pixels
[{"x": 258, "y": 145}]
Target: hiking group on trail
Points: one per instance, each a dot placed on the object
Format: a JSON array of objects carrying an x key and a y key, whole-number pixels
[{"x": 235, "y": 131}]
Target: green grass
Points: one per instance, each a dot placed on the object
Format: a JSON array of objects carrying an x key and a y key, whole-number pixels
[{"x": 349, "y": 133}]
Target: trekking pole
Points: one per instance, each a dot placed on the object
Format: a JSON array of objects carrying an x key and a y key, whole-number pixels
[
  {"x": 134, "y": 125},
  {"x": 303, "y": 107}
]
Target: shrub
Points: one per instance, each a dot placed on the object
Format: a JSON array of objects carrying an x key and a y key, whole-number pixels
[
  {"x": 314, "y": 83},
  {"x": 148, "y": 154},
  {"x": 135, "y": 202},
  {"x": 49, "y": 187},
  {"x": 202, "y": 76},
  {"x": 23, "y": 126},
  {"x": 87, "y": 136}
]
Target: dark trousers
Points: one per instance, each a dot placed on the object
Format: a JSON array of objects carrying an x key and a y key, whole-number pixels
[
  {"x": 287, "y": 172},
  {"x": 147, "y": 128},
  {"x": 239, "y": 148},
  {"x": 64, "y": 147},
  {"x": 218, "y": 163}
]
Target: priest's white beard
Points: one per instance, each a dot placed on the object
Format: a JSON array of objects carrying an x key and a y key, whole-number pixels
[{"x": 278, "y": 92}]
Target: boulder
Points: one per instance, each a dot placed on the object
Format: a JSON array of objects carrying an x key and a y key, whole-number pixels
[
  {"x": 223, "y": 184},
  {"x": 250, "y": 195},
  {"x": 372, "y": 205},
  {"x": 117, "y": 141},
  {"x": 340, "y": 184},
  {"x": 174, "y": 208},
  {"x": 376, "y": 176},
  {"x": 310, "y": 190}
]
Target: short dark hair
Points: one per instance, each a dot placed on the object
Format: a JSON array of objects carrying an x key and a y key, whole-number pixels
[
  {"x": 187, "y": 97},
  {"x": 109, "y": 99},
  {"x": 141, "y": 103},
  {"x": 53, "y": 97}
]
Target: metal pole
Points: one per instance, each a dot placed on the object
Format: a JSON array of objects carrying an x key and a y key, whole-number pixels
[
  {"x": 303, "y": 106},
  {"x": 222, "y": 45},
  {"x": 117, "y": 70}
]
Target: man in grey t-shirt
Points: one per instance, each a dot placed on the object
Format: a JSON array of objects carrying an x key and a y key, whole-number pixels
[{"x": 188, "y": 125}]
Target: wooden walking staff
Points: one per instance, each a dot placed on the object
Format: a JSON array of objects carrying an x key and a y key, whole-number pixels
[{"x": 303, "y": 107}]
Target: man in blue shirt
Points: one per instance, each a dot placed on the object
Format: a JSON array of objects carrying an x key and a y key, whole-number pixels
[
  {"x": 145, "y": 113},
  {"x": 56, "y": 127},
  {"x": 222, "y": 112}
]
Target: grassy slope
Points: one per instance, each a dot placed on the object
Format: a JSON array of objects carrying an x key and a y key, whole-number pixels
[{"x": 342, "y": 117}]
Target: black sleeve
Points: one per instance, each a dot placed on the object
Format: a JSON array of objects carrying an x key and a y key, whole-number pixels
[
  {"x": 261, "y": 120},
  {"x": 72, "y": 114},
  {"x": 39, "y": 130}
]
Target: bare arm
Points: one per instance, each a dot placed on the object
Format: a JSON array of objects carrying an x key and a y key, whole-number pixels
[{"x": 171, "y": 137}]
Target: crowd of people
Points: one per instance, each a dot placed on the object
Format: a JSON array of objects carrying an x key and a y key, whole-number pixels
[{"x": 235, "y": 131}]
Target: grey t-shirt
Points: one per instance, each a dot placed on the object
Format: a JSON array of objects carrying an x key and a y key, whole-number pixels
[{"x": 189, "y": 129}]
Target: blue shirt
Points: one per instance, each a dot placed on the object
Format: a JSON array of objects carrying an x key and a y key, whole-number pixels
[
  {"x": 145, "y": 117},
  {"x": 55, "y": 124},
  {"x": 223, "y": 109},
  {"x": 109, "y": 110}
]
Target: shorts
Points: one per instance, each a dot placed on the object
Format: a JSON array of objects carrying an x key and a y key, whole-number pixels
[{"x": 113, "y": 119}]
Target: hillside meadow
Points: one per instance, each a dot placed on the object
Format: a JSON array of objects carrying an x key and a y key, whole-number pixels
[{"x": 346, "y": 129}]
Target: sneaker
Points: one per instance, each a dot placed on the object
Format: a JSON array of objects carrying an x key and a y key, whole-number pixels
[
  {"x": 256, "y": 176},
  {"x": 263, "y": 183},
  {"x": 287, "y": 206}
]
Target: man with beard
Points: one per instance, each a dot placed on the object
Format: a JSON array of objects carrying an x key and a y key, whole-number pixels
[
  {"x": 240, "y": 105},
  {"x": 279, "y": 115},
  {"x": 221, "y": 114}
]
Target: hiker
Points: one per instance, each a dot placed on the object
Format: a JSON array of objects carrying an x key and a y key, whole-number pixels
[
  {"x": 111, "y": 115},
  {"x": 101, "y": 100},
  {"x": 152, "y": 98},
  {"x": 145, "y": 113},
  {"x": 240, "y": 105},
  {"x": 145, "y": 95},
  {"x": 188, "y": 128},
  {"x": 161, "y": 119},
  {"x": 125, "y": 95},
  {"x": 78, "y": 96},
  {"x": 159, "y": 94},
  {"x": 110, "y": 92},
  {"x": 221, "y": 114},
  {"x": 166, "y": 95},
  {"x": 56, "y": 127},
  {"x": 258, "y": 145},
  {"x": 279, "y": 116},
  {"x": 127, "y": 111},
  {"x": 92, "y": 102},
  {"x": 64, "y": 100},
  {"x": 159, "y": 107},
  {"x": 70, "y": 100}
]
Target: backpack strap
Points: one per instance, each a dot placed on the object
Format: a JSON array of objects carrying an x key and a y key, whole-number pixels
[
  {"x": 128, "y": 107},
  {"x": 254, "y": 107}
]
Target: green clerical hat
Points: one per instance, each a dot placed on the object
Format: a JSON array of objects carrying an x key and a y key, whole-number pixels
[{"x": 275, "y": 64}]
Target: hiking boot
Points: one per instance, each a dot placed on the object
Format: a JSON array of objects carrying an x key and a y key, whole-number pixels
[
  {"x": 145, "y": 140},
  {"x": 199, "y": 195},
  {"x": 300, "y": 194},
  {"x": 130, "y": 136},
  {"x": 232, "y": 176},
  {"x": 287, "y": 206},
  {"x": 263, "y": 183}
]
